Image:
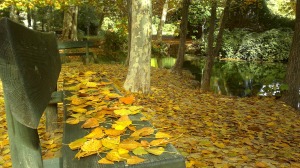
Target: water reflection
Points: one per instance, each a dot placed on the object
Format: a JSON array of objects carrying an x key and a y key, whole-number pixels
[{"x": 235, "y": 78}]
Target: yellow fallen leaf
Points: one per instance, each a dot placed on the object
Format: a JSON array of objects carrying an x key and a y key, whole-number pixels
[
  {"x": 79, "y": 110},
  {"x": 90, "y": 123},
  {"x": 105, "y": 161},
  {"x": 72, "y": 121},
  {"x": 111, "y": 142},
  {"x": 113, "y": 132},
  {"x": 95, "y": 133},
  {"x": 159, "y": 142},
  {"x": 122, "y": 112},
  {"x": 134, "y": 160},
  {"x": 129, "y": 144},
  {"x": 77, "y": 143},
  {"x": 77, "y": 101},
  {"x": 156, "y": 151},
  {"x": 162, "y": 135},
  {"x": 123, "y": 151},
  {"x": 91, "y": 145},
  {"x": 140, "y": 151},
  {"x": 91, "y": 84},
  {"x": 143, "y": 132},
  {"x": 114, "y": 156},
  {"x": 219, "y": 145},
  {"x": 89, "y": 73}
]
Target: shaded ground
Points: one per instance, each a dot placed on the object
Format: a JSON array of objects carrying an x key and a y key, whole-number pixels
[{"x": 209, "y": 130}]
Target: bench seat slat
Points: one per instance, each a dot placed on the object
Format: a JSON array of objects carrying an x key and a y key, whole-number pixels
[{"x": 169, "y": 159}]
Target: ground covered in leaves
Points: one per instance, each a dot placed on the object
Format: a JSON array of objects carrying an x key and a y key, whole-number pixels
[{"x": 209, "y": 130}]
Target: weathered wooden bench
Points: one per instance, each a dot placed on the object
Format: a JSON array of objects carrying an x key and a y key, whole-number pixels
[
  {"x": 29, "y": 69},
  {"x": 171, "y": 158},
  {"x": 76, "y": 48}
]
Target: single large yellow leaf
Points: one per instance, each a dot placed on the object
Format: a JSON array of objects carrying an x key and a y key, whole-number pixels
[
  {"x": 105, "y": 161},
  {"x": 143, "y": 132},
  {"x": 162, "y": 135},
  {"x": 77, "y": 143},
  {"x": 91, "y": 145},
  {"x": 123, "y": 151},
  {"x": 77, "y": 101},
  {"x": 72, "y": 120},
  {"x": 134, "y": 160},
  {"x": 159, "y": 142},
  {"x": 156, "y": 151},
  {"x": 90, "y": 123},
  {"x": 113, "y": 132},
  {"x": 95, "y": 133},
  {"x": 129, "y": 144},
  {"x": 111, "y": 142},
  {"x": 79, "y": 110},
  {"x": 140, "y": 151},
  {"x": 81, "y": 154},
  {"x": 122, "y": 123},
  {"x": 114, "y": 156}
]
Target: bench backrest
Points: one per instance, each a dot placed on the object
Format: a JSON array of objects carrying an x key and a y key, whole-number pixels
[
  {"x": 75, "y": 44},
  {"x": 29, "y": 69}
]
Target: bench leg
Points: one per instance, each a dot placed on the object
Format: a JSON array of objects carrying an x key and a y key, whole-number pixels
[
  {"x": 24, "y": 143},
  {"x": 51, "y": 117}
]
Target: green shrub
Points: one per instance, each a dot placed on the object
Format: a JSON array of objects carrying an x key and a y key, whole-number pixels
[
  {"x": 271, "y": 45},
  {"x": 114, "y": 45}
]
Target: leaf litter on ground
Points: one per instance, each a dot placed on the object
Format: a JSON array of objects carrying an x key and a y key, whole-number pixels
[{"x": 211, "y": 130}]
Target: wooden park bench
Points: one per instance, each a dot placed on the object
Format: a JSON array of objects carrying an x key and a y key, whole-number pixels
[
  {"x": 29, "y": 69},
  {"x": 77, "y": 48}
]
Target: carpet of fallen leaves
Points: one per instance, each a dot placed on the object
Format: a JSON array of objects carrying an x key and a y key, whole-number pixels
[{"x": 212, "y": 130}]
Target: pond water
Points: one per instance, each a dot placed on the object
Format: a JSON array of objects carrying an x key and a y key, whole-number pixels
[{"x": 236, "y": 78}]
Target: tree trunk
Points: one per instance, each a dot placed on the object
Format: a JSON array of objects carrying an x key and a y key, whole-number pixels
[
  {"x": 205, "y": 85},
  {"x": 291, "y": 96},
  {"x": 222, "y": 27},
  {"x": 129, "y": 3},
  {"x": 70, "y": 24},
  {"x": 138, "y": 77},
  {"x": 162, "y": 21},
  {"x": 29, "y": 17},
  {"x": 177, "y": 68}
]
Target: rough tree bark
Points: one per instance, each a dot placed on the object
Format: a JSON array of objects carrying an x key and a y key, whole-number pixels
[
  {"x": 177, "y": 68},
  {"x": 292, "y": 79},
  {"x": 70, "y": 24},
  {"x": 138, "y": 77},
  {"x": 214, "y": 51}
]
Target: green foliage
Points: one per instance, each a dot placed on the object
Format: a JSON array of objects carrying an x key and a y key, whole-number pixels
[
  {"x": 114, "y": 45},
  {"x": 272, "y": 45},
  {"x": 159, "y": 49}
]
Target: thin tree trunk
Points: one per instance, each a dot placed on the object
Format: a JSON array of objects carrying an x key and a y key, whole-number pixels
[
  {"x": 162, "y": 21},
  {"x": 70, "y": 24},
  {"x": 138, "y": 77},
  {"x": 222, "y": 27},
  {"x": 177, "y": 68},
  {"x": 205, "y": 85},
  {"x": 129, "y": 3},
  {"x": 28, "y": 17},
  {"x": 292, "y": 79}
]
